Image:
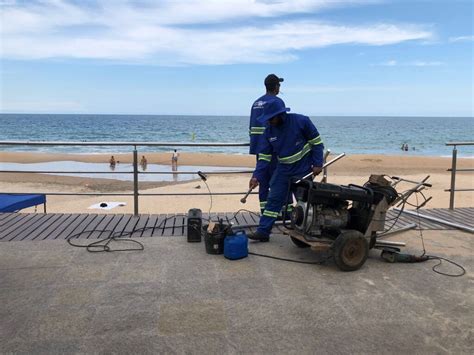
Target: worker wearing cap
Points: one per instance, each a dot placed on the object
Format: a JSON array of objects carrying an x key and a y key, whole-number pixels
[
  {"x": 256, "y": 129},
  {"x": 298, "y": 148}
]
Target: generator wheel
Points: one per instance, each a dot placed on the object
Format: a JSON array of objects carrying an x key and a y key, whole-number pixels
[
  {"x": 299, "y": 243},
  {"x": 350, "y": 250}
]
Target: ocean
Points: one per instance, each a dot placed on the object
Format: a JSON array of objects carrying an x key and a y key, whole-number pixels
[{"x": 353, "y": 135}]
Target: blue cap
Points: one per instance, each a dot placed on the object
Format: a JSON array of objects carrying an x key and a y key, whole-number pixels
[{"x": 271, "y": 109}]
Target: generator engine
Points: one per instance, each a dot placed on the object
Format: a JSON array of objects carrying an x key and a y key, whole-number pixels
[{"x": 323, "y": 210}]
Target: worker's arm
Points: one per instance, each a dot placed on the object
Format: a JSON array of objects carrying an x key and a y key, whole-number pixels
[
  {"x": 314, "y": 139},
  {"x": 265, "y": 151}
]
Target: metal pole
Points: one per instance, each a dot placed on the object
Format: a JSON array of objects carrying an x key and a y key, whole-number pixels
[
  {"x": 325, "y": 169},
  {"x": 135, "y": 181},
  {"x": 453, "y": 179},
  {"x": 439, "y": 220},
  {"x": 342, "y": 155}
]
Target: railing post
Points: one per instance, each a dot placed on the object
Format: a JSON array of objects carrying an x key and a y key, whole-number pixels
[
  {"x": 135, "y": 181},
  {"x": 453, "y": 179}
]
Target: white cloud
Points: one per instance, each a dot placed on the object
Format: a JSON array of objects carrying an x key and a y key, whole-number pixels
[
  {"x": 183, "y": 32},
  {"x": 389, "y": 63},
  {"x": 416, "y": 63},
  {"x": 461, "y": 39}
]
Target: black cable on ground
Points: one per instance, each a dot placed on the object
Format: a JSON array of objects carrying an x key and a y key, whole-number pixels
[
  {"x": 102, "y": 245},
  {"x": 440, "y": 260},
  {"x": 291, "y": 260}
]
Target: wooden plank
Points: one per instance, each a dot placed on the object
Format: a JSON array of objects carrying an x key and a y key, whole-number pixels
[
  {"x": 13, "y": 219},
  {"x": 109, "y": 230},
  {"x": 61, "y": 231},
  {"x": 150, "y": 225},
  {"x": 101, "y": 227},
  {"x": 16, "y": 225},
  {"x": 141, "y": 225},
  {"x": 239, "y": 220},
  {"x": 25, "y": 233},
  {"x": 93, "y": 225},
  {"x": 160, "y": 223},
  {"x": 444, "y": 216},
  {"x": 248, "y": 219},
  {"x": 130, "y": 227},
  {"x": 462, "y": 216},
  {"x": 118, "y": 230},
  {"x": 255, "y": 217},
  {"x": 184, "y": 230},
  {"x": 4, "y": 215},
  {"x": 465, "y": 213},
  {"x": 61, "y": 222},
  {"x": 37, "y": 231},
  {"x": 180, "y": 227},
  {"x": 420, "y": 222},
  {"x": 168, "y": 228},
  {"x": 80, "y": 227}
]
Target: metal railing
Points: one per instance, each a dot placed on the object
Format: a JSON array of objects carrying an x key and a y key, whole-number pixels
[
  {"x": 452, "y": 190},
  {"x": 136, "y": 194}
]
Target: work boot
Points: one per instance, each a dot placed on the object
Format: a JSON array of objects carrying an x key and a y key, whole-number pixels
[{"x": 258, "y": 237}]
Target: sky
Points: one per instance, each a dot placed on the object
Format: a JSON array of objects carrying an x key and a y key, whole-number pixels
[{"x": 210, "y": 57}]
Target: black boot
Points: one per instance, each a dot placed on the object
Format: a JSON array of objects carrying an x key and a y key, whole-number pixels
[{"x": 258, "y": 237}]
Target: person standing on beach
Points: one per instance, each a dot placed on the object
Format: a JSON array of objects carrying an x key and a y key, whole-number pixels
[
  {"x": 174, "y": 159},
  {"x": 256, "y": 129},
  {"x": 297, "y": 146},
  {"x": 143, "y": 163},
  {"x": 112, "y": 162}
]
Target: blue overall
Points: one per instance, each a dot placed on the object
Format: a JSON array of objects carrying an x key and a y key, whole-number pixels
[
  {"x": 298, "y": 147},
  {"x": 256, "y": 130}
]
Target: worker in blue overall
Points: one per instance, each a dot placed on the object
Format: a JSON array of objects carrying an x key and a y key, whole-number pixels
[
  {"x": 298, "y": 147},
  {"x": 256, "y": 129}
]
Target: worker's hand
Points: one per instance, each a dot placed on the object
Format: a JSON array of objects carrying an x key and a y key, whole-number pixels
[
  {"x": 317, "y": 170},
  {"x": 253, "y": 183}
]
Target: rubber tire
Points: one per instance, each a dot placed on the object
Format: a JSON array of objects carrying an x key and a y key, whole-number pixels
[
  {"x": 344, "y": 245},
  {"x": 299, "y": 243}
]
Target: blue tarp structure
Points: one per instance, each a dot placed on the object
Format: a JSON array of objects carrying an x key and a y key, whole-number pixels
[{"x": 12, "y": 203}]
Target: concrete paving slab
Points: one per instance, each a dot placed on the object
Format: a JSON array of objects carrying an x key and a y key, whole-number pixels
[{"x": 174, "y": 298}]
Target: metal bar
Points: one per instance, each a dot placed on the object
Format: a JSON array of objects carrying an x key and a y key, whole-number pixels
[
  {"x": 64, "y": 172},
  {"x": 135, "y": 181},
  {"x": 124, "y": 144},
  {"x": 439, "y": 220},
  {"x": 404, "y": 196},
  {"x": 199, "y": 194},
  {"x": 460, "y": 143},
  {"x": 127, "y": 172},
  {"x": 325, "y": 169},
  {"x": 382, "y": 243},
  {"x": 453, "y": 179},
  {"x": 325, "y": 165},
  {"x": 195, "y": 172},
  {"x": 399, "y": 230},
  {"x": 461, "y": 169},
  {"x": 411, "y": 181},
  {"x": 127, "y": 194},
  {"x": 71, "y": 194},
  {"x": 456, "y": 190}
]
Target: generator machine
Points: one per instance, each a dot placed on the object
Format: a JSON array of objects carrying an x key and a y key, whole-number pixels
[{"x": 344, "y": 220}]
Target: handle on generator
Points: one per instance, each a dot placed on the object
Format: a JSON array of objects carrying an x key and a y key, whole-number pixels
[{"x": 342, "y": 155}]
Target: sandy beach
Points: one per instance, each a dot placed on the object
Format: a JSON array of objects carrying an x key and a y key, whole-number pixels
[{"x": 352, "y": 169}]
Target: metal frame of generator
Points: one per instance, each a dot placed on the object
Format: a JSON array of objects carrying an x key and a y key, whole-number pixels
[{"x": 343, "y": 220}]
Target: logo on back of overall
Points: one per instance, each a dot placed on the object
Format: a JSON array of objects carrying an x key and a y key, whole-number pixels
[
  {"x": 259, "y": 104},
  {"x": 273, "y": 139}
]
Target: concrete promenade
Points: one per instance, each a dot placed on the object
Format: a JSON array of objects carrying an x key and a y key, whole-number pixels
[{"x": 174, "y": 298}]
